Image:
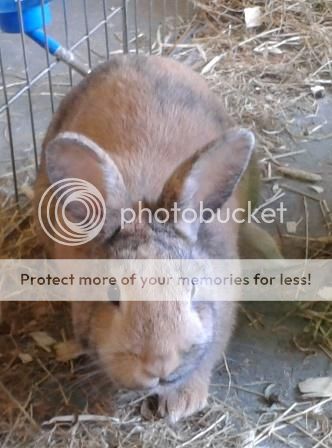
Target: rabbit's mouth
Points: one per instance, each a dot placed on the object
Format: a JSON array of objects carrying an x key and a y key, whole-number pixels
[
  {"x": 179, "y": 375},
  {"x": 172, "y": 380},
  {"x": 192, "y": 361}
]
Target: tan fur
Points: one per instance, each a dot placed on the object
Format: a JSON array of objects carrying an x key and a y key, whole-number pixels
[
  {"x": 180, "y": 137},
  {"x": 132, "y": 110}
]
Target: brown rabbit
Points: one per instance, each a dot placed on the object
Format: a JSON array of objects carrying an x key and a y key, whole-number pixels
[{"x": 149, "y": 129}]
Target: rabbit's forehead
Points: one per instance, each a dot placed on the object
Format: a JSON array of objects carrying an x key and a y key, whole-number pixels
[
  {"x": 162, "y": 246},
  {"x": 152, "y": 241},
  {"x": 170, "y": 323}
]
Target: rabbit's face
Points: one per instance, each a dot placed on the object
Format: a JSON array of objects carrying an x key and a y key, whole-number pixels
[
  {"x": 144, "y": 344},
  {"x": 150, "y": 345}
]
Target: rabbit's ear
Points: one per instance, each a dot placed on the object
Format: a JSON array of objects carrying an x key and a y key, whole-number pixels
[
  {"x": 208, "y": 179},
  {"x": 78, "y": 169}
]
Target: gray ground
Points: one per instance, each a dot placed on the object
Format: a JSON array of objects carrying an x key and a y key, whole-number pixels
[{"x": 259, "y": 355}]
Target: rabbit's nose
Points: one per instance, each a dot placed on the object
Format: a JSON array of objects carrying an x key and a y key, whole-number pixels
[
  {"x": 161, "y": 366},
  {"x": 148, "y": 382}
]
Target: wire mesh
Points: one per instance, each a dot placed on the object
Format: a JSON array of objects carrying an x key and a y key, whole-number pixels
[{"x": 32, "y": 81}]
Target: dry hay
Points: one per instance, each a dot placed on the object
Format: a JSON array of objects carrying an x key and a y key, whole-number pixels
[
  {"x": 265, "y": 73},
  {"x": 262, "y": 76},
  {"x": 18, "y": 238}
]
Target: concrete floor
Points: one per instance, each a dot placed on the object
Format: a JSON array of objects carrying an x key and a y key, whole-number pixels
[
  {"x": 258, "y": 356},
  {"x": 264, "y": 356},
  {"x": 317, "y": 158}
]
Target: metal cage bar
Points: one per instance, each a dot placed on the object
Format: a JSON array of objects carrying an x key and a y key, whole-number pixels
[
  {"x": 65, "y": 21},
  {"x": 125, "y": 39},
  {"x": 48, "y": 59},
  {"x": 28, "y": 84},
  {"x": 86, "y": 23},
  {"x": 9, "y": 127},
  {"x": 106, "y": 30}
]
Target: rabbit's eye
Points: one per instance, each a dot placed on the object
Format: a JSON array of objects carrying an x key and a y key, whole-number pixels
[{"x": 114, "y": 295}]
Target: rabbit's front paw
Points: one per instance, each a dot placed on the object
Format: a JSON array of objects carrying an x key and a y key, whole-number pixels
[{"x": 183, "y": 401}]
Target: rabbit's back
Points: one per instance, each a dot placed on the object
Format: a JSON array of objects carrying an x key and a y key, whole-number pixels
[{"x": 150, "y": 114}]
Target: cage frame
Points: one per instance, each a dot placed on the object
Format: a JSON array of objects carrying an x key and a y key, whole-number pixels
[{"x": 128, "y": 45}]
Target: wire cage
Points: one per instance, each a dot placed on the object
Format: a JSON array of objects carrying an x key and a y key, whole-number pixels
[{"x": 33, "y": 79}]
